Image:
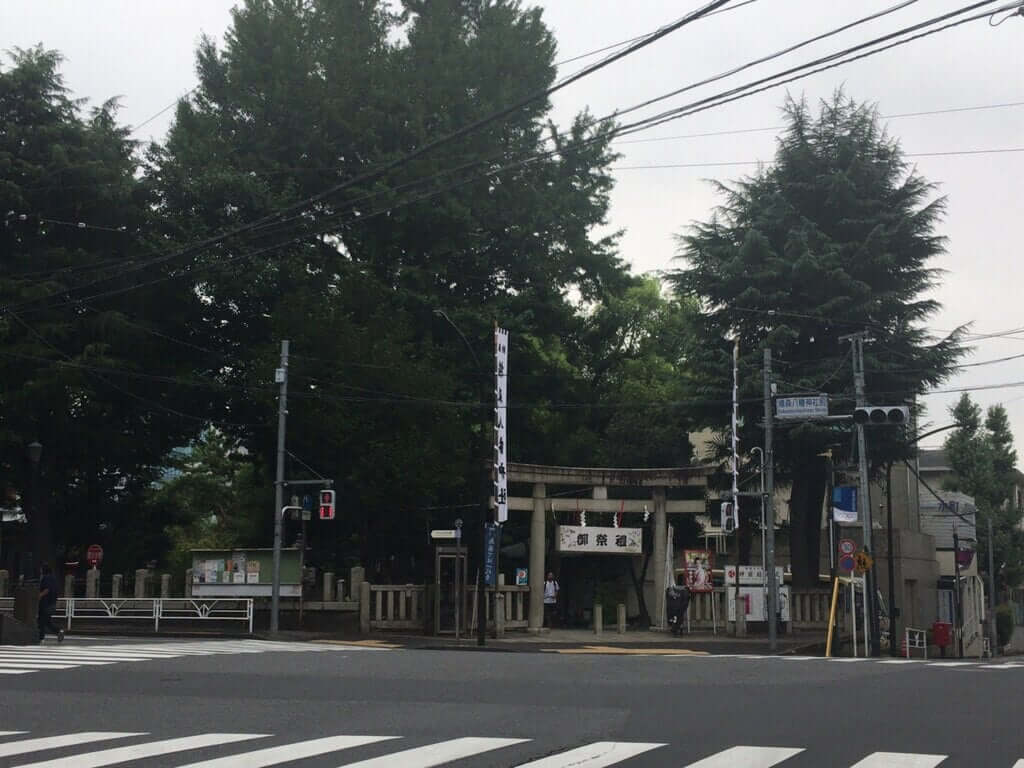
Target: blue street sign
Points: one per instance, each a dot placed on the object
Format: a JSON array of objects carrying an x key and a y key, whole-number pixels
[
  {"x": 844, "y": 503},
  {"x": 491, "y": 555},
  {"x": 307, "y": 502}
]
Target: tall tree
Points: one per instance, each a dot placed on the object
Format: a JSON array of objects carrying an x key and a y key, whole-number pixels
[
  {"x": 836, "y": 235},
  {"x": 79, "y": 376},
  {"x": 983, "y": 458},
  {"x": 389, "y": 398}
]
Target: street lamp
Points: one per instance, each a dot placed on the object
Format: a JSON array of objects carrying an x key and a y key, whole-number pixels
[{"x": 480, "y": 605}]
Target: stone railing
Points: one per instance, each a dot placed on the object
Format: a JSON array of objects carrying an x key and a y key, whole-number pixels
[{"x": 391, "y": 606}]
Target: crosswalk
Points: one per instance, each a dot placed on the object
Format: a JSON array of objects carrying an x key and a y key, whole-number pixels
[
  {"x": 95, "y": 749},
  {"x": 22, "y": 659},
  {"x": 935, "y": 663}
]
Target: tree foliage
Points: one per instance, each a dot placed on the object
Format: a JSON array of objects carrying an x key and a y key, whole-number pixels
[
  {"x": 79, "y": 376},
  {"x": 983, "y": 458},
  {"x": 836, "y": 235}
]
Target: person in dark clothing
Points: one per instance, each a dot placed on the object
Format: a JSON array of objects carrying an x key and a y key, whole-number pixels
[
  {"x": 47, "y": 602},
  {"x": 677, "y": 600}
]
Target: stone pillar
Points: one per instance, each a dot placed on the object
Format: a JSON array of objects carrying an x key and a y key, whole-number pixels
[
  {"x": 165, "y": 585},
  {"x": 356, "y": 577},
  {"x": 328, "y": 587},
  {"x": 339, "y": 592},
  {"x": 537, "y": 545},
  {"x": 658, "y": 558},
  {"x": 364, "y": 607},
  {"x": 188, "y": 583},
  {"x": 69, "y": 585},
  {"x": 141, "y": 578},
  {"x": 620, "y": 618},
  {"x": 598, "y": 619},
  {"x": 4, "y": 581},
  {"x": 92, "y": 583},
  {"x": 499, "y": 615},
  {"x": 115, "y": 586}
]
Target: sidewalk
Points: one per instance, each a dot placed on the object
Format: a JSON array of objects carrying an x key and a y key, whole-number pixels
[{"x": 577, "y": 641}]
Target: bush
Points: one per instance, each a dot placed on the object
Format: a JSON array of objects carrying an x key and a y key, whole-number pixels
[{"x": 1004, "y": 624}]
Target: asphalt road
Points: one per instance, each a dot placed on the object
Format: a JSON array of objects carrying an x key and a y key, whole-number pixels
[{"x": 501, "y": 709}]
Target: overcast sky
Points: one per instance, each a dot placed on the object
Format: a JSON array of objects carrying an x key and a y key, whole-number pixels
[{"x": 142, "y": 50}]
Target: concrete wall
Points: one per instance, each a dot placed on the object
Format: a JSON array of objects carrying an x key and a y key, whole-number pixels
[{"x": 916, "y": 572}]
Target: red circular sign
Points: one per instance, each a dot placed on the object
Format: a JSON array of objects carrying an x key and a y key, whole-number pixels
[
  {"x": 94, "y": 555},
  {"x": 847, "y": 563}
]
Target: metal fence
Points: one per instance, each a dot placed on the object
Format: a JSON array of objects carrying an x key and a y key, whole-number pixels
[{"x": 174, "y": 609}]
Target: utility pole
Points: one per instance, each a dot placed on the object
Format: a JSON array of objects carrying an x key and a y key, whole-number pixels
[
  {"x": 281, "y": 377},
  {"x": 769, "y": 497},
  {"x": 893, "y": 634},
  {"x": 857, "y": 344},
  {"x": 991, "y": 589},
  {"x": 958, "y": 598}
]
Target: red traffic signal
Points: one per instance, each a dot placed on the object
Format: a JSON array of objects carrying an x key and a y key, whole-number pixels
[{"x": 327, "y": 505}]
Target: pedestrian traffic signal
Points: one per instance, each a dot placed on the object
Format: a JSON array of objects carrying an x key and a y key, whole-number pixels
[
  {"x": 327, "y": 505},
  {"x": 729, "y": 521},
  {"x": 876, "y": 415}
]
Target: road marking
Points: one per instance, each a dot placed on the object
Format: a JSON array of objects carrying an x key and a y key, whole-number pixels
[
  {"x": 288, "y": 752},
  {"x": 794, "y": 658},
  {"x": 141, "y": 751},
  {"x": 952, "y": 664},
  {"x": 1008, "y": 665},
  {"x": 368, "y": 645},
  {"x": 747, "y": 757},
  {"x": 899, "y": 760},
  {"x": 596, "y": 755},
  {"x": 23, "y": 747},
  {"x": 15, "y": 671},
  {"x": 435, "y": 754},
  {"x": 904, "y": 661},
  {"x": 6, "y": 658},
  {"x": 35, "y": 665},
  {"x": 11, "y": 733},
  {"x": 615, "y": 650},
  {"x": 848, "y": 659}
]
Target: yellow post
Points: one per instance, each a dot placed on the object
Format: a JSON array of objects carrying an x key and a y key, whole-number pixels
[{"x": 832, "y": 617}]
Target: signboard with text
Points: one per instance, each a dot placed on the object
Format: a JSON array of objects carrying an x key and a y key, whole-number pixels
[
  {"x": 501, "y": 423},
  {"x": 804, "y": 407},
  {"x": 575, "y": 539},
  {"x": 750, "y": 574},
  {"x": 491, "y": 533}
]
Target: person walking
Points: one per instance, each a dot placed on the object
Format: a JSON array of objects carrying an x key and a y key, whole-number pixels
[
  {"x": 47, "y": 602},
  {"x": 550, "y": 599}
]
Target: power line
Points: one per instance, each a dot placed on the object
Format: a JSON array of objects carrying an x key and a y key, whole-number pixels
[
  {"x": 621, "y": 43},
  {"x": 950, "y": 110},
  {"x": 173, "y": 104},
  {"x": 732, "y": 95},
  {"x": 949, "y": 153}
]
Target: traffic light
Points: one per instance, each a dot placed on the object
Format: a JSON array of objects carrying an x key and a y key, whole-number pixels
[
  {"x": 728, "y": 516},
  {"x": 877, "y": 415},
  {"x": 327, "y": 505}
]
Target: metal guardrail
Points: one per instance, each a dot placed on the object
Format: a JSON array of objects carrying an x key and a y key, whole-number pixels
[{"x": 153, "y": 609}]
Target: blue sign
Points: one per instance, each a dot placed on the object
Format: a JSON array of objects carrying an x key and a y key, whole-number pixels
[
  {"x": 307, "y": 502},
  {"x": 847, "y": 563},
  {"x": 844, "y": 503},
  {"x": 491, "y": 554}
]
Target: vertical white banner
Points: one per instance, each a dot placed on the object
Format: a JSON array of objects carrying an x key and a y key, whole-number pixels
[{"x": 501, "y": 423}]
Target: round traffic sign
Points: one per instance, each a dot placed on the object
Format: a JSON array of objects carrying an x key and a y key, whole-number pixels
[
  {"x": 863, "y": 561},
  {"x": 94, "y": 555},
  {"x": 847, "y": 546},
  {"x": 847, "y": 563}
]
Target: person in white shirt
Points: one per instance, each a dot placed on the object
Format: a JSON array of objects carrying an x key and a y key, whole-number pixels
[{"x": 550, "y": 599}]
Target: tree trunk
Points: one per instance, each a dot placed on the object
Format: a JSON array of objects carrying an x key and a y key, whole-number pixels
[{"x": 805, "y": 523}]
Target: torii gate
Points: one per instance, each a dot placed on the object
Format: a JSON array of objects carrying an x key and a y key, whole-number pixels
[{"x": 601, "y": 479}]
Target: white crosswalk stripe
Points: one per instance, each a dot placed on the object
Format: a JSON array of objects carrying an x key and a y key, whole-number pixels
[
  {"x": 148, "y": 749},
  {"x": 288, "y": 752},
  {"x": 25, "y": 746},
  {"x": 747, "y": 757},
  {"x": 600, "y": 754},
  {"x": 596, "y": 755},
  {"x": 899, "y": 760},
  {"x": 20, "y": 659},
  {"x": 435, "y": 754}
]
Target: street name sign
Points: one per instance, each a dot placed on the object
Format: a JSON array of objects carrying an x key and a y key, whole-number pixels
[{"x": 803, "y": 407}]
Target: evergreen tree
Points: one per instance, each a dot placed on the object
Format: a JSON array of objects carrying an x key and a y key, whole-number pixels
[{"x": 836, "y": 235}]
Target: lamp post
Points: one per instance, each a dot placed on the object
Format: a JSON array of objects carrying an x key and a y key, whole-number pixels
[
  {"x": 486, "y": 490},
  {"x": 34, "y": 451}
]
